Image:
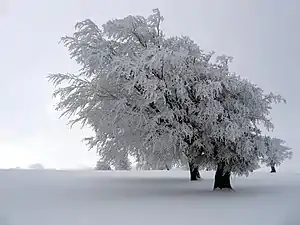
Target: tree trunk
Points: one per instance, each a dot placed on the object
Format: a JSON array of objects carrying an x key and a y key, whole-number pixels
[
  {"x": 273, "y": 170},
  {"x": 222, "y": 178},
  {"x": 194, "y": 172},
  {"x": 167, "y": 167}
]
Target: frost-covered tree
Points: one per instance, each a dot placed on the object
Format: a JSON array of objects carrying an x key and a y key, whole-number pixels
[
  {"x": 129, "y": 67},
  {"x": 240, "y": 150},
  {"x": 153, "y": 165},
  {"x": 121, "y": 161},
  {"x": 102, "y": 166},
  {"x": 276, "y": 152},
  {"x": 157, "y": 97}
]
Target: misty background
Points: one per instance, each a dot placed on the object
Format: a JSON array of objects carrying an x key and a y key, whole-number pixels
[{"x": 262, "y": 36}]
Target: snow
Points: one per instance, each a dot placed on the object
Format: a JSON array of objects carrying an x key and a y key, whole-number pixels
[{"x": 35, "y": 197}]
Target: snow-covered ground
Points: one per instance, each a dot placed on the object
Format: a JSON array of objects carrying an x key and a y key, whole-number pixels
[{"x": 32, "y": 197}]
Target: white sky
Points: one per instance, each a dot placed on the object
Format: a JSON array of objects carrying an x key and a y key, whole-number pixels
[{"x": 262, "y": 35}]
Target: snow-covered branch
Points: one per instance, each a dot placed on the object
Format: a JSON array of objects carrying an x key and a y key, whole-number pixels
[{"x": 157, "y": 97}]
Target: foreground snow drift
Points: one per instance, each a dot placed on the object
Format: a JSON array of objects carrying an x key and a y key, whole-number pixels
[{"x": 90, "y": 197}]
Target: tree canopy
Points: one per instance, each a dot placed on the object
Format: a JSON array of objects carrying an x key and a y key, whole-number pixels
[{"x": 157, "y": 97}]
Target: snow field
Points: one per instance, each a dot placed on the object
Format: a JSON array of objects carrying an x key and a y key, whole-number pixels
[{"x": 45, "y": 197}]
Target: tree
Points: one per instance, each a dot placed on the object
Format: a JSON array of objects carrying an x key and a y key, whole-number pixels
[
  {"x": 276, "y": 152},
  {"x": 246, "y": 107},
  {"x": 152, "y": 163},
  {"x": 121, "y": 161},
  {"x": 102, "y": 166},
  {"x": 135, "y": 96},
  {"x": 157, "y": 97}
]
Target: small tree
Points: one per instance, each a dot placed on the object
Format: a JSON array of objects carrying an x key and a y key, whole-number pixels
[
  {"x": 101, "y": 165},
  {"x": 276, "y": 152},
  {"x": 121, "y": 161},
  {"x": 153, "y": 164}
]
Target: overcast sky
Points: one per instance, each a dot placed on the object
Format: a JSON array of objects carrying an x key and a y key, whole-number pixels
[{"x": 262, "y": 36}]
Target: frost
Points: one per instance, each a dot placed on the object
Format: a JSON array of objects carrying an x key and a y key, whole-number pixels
[
  {"x": 158, "y": 98},
  {"x": 102, "y": 166},
  {"x": 276, "y": 151}
]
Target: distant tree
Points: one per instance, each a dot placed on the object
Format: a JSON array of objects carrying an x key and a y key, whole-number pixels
[
  {"x": 147, "y": 165},
  {"x": 121, "y": 161},
  {"x": 101, "y": 165},
  {"x": 276, "y": 152}
]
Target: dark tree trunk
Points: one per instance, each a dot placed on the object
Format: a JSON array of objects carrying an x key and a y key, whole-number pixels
[
  {"x": 194, "y": 172},
  {"x": 222, "y": 178},
  {"x": 273, "y": 170},
  {"x": 167, "y": 167}
]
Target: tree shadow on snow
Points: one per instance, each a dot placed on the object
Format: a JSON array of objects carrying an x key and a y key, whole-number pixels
[{"x": 169, "y": 188}]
